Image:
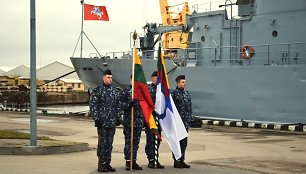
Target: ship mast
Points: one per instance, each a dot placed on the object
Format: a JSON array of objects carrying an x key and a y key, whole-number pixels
[
  {"x": 82, "y": 29},
  {"x": 81, "y": 36}
]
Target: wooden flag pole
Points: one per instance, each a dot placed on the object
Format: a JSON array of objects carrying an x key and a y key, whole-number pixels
[
  {"x": 132, "y": 114},
  {"x": 132, "y": 138}
]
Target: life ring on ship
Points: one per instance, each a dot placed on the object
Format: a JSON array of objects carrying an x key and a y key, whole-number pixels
[{"x": 247, "y": 51}]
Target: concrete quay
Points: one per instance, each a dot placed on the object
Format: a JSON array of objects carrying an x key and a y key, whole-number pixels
[{"x": 211, "y": 149}]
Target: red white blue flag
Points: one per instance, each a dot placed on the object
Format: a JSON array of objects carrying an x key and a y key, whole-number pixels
[{"x": 169, "y": 118}]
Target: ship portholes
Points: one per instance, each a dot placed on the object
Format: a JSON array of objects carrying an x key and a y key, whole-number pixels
[
  {"x": 274, "y": 33},
  {"x": 203, "y": 38},
  {"x": 247, "y": 51}
]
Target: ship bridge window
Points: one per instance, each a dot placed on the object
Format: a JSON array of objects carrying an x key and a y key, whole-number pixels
[
  {"x": 274, "y": 33},
  {"x": 203, "y": 38},
  {"x": 87, "y": 68}
]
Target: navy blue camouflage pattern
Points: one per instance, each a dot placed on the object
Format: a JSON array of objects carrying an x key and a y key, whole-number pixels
[
  {"x": 150, "y": 143},
  {"x": 136, "y": 141},
  {"x": 105, "y": 105},
  {"x": 105, "y": 143},
  {"x": 152, "y": 88},
  {"x": 126, "y": 99},
  {"x": 182, "y": 100},
  {"x": 150, "y": 138}
]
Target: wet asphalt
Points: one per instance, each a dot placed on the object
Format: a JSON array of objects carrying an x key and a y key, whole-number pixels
[{"x": 211, "y": 149}]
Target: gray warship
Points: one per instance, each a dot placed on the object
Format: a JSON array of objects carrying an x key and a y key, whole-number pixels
[{"x": 248, "y": 67}]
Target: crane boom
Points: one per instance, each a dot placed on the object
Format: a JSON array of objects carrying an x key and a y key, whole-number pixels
[{"x": 173, "y": 40}]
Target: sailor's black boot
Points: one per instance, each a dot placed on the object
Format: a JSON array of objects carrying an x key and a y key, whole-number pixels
[
  {"x": 178, "y": 164},
  {"x": 127, "y": 165},
  {"x": 159, "y": 166},
  {"x": 110, "y": 168},
  {"x": 102, "y": 167},
  {"x": 152, "y": 164},
  {"x": 184, "y": 164},
  {"x": 136, "y": 166}
]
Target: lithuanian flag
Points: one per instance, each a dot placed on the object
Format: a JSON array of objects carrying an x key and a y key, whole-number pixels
[{"x": 142, "y": 93}]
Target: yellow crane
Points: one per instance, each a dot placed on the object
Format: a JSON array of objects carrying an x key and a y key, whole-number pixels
[{"x": 176, "y": 39}]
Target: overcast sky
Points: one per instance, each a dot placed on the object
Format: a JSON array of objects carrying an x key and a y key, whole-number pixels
[{"x": 58, "y": 26}]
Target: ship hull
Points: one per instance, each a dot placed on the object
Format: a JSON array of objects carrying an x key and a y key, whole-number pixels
[{"x": 260, "y": 93}]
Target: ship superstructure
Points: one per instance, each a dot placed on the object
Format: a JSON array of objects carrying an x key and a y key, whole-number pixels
[{"x": 251, "y": 66}]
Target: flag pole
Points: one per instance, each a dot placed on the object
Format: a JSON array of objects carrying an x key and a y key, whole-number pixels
[
  {"x": 82, "y": 29},
  {"x": 155, "y": 144},
  {"x": 156, "y": 122},
  {"x": 132, "y": 133},
  {"x": 132, "y": 114},
  {"x": 33, "y": 86}
]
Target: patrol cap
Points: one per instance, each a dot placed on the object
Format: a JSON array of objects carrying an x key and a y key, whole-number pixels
[
  {"x": 154, "y": 74},
  {"x": 107, "y": 72},
  {"x": 180, "y": 77}
]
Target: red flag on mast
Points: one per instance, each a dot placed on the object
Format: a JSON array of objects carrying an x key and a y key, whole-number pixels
[{"x": 92, "y": 12}]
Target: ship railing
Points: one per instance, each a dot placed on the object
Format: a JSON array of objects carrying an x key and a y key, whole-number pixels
[
  {"x": 147, "y": 54},
  {"x": 232, "y": 11},
  {"x": 207, "y": 6},
  {"x": 119, "y": 55},
  {"x": 264, "y": 54}
]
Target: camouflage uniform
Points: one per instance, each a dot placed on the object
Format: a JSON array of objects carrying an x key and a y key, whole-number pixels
[
  {"x": 150, "y": 139},
  {"x": 182, "y": 101},
  {"x": 105, "y": 107},
  {"x": 126, "y": 99}
]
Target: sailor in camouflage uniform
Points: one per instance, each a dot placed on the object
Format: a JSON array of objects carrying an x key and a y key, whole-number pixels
[
  {"x": 151, "y": 140},
  {"x": 182, "y": 101},
  {"x": 105, "y": 107},
  {"x": 138, "y": 124}
]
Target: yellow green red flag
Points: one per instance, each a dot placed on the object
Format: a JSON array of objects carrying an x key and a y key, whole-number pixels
[{"x": 142, "y": 93}]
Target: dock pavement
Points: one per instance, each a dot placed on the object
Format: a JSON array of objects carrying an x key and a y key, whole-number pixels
[{"x": 211, "y": 149}]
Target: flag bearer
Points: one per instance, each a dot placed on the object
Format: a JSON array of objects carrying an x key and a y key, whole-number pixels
[
  {"x": 182, "y": 101},
  {"x": 138, "y": 124},
  {"x": 152, "y": 143}
]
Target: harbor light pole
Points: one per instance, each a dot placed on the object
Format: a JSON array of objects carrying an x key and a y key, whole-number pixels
[{"x": 33, "y": 100}]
